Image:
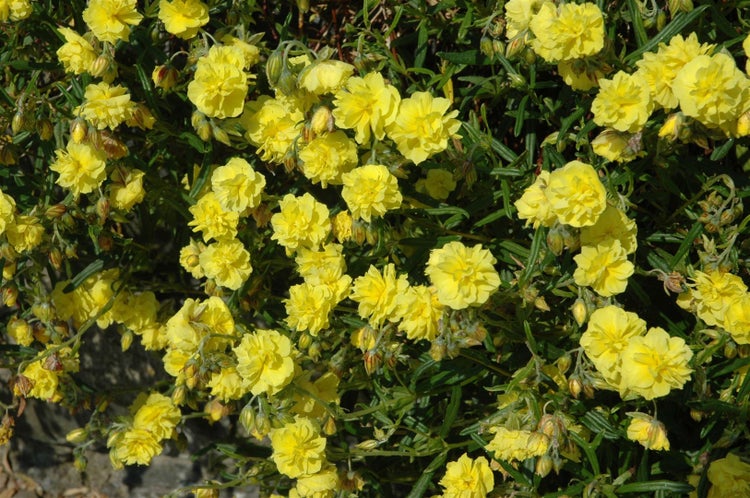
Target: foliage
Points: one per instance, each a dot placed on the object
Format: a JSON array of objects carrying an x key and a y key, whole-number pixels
[{"x": 394, "y": 250}]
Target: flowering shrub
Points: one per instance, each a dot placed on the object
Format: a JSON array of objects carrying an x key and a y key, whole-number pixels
[{"x": 429, "y": 249}]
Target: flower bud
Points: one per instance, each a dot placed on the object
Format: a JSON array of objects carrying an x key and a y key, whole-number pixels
[
  {"x": 106, "y": 242},
  {"x": 206, "y": 493},
  {"x": 543, "y": 465},
  {"x": 55, "y": 211},
  {"x": 55, "y": 258},
  {"x": 673, "y": 126},
  {"x": 102, "y": 209},
  {"x": 563, "y": 363},
  {"x": 274, "y": 66},
  {"x": 367, "y": 445},
  {"x": 575, "y": 387},
  {"x": 372, "y": 359},
  {"x": 78, "y": 130},
  {"x": 43, "y": 311},
  {"x": 18, "y": 123},
  {"x": 179, "y": 394},
  {"x": 517, "y": 81},
  {"x": 101, "y": 66},
  {"x": 10, "y": 295},
  {"x": 45, "y": 129},
  {"x": 322, "y": 120},
  {"x": 247, "y": 417},
  {"x": 22, "y": 385},
  {"x": 730, "y": 350},
  {"x": 164, "y": 77},
  {"x": 677, "y": 6},
  {"x": 77, "y": 436},
  {"x": 126, "y": 340},
  {"x": 215, "y": 410},
  {"x": 201, "y": 126},
  {"x": 580, "y": 313},
  {"x": 80, "y": 462}
]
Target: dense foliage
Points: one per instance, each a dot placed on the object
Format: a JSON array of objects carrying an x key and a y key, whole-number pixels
[{"x": 455, "y": 248}]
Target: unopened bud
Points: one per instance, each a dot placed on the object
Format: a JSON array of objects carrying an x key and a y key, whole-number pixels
[
  {"x": 126, "y": 340},
  {"x": 179, "y": 394},
  {"x": 55, "y": 258},
  {"x": 22, "y": 385},
  {"x": 274, "y": 66},
  {"x": 730, "y": 350},
  {"x": 543, "y": 465},
  {"x": 329, "y": 427},
  {"x": 485, "y": 46},
  {"x": 517, "y": 81},
  {"x": 53, "y": 363},
  {"x": 101, "y": 66},
  {"x": 322, "y": 120},
  {"x": 215, "y": 410},
  {"x": 55, "y": 211},
  {"x": 78, "y": 130},
  {"x": 201, "y": 126},
  {"x": 580, "y": 313},
  {"x": 563, "y": 363},
  {"x": 102, "y": 209},
  {"x": 367, "y": 445},
  {"x": 80, "y": 462},
  {"x": 677, "y": 6},
  {"x": 372, "y": 360},
  {"x": 45, "y": 129},
  {"x": 43, "y": 311},
  {"x": 106, "y": 242},
  {"x": 575, "y": 387},
  {"x": 304, "y": 341},
  {"x": 77, "y": 436},
  {"x": 18, "y": 123},
  {"x": 10, "y": 295},
  {"x": 247, "y": 417},
  {"x": 164, "y": 77},
  {"x": 206, "y": 493}
]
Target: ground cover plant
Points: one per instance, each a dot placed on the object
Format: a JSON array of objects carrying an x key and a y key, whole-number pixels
[{"x": 428, "y": 248}]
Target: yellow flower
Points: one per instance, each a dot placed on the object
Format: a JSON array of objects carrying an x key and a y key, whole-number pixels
[
  {"x": 15, "y": 10},
  {"x": 377, "y": 294},
  {"x": 420, "y": 311},
  {"x": 576, "y": 195},
  {"x": 439, "y": 184},
  {"x": 219, "y": 85},
  {"x": 323, "y": 77},
  {"x": 308, "y": 307},
  {"x": 571, "y": 31},
  {"x": 612, "y": 224},
  {"x": 366, "y": 105},
  {"x": 604, "y": 267},
  {"x": 298, "y": 448},
  {"x": 609, "y": 331},
  {"x": 7, "y": 211},
  {"x": 711, "y": 294},
  {"x": 648, "y": 431},
  {"x": 190, "y": 258},
  {"x": 737, "y": 319},
  {"x": 265, "y": 360},
  {"x": 81, "y": 168},
  {"x": 211, "y": 219},
  {"x": 370, "y": 191},
  {"x": 110, "y": 20},
  {"x": 316, "y": 265},
  {"x": 24, "y": 233},
  {"x": 20, "y": 331},
  {"x": 518, "y": 14},
  {"x": 327, "y": 157},
  {"x": 712, "y": 90},
  {"x": 227, "y": 262},
  {"x": 623, "y": 102},
  {"x": 729, "y": 477},
  {"x": 467, "y": 478},
  {"x": 463, "y": 276},
  {"x": 134, "y": 446},
  {"x": 272, "y": 125},
  {"x": 423, "y": 126},
  {"x": 312, "y": 398},
  {"x": 580, "y": 74},
  {"x": 156, "y": 414},
  {"x": 655, "y": 363},
  {"x": 534, "y": 206},
  {"x": 322, "y": 484},
  {"x": 618, "y": 146},
  {"x": 126, "y": 189},
  {"x": 302, "y": 222},
  {"x": 183, "y": 18},
  {"x": 510, "y": 445},
  {"x": 44, "y": 382},
  {"x": 106, "y": 106},
  {"x": 660, "y": 68},
  {"x": 194, "y": 323},
  {"x": 341, "y": 226},
  {"x": 250, "y": 52},
  {"x": 76, "y": 54},
  {"x": 227, "y": 384},
  {"x": 88, "y": 299},
  {"x": 238, "y": 187}
]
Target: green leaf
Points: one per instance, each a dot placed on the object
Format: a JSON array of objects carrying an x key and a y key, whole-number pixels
[
  {"x": 426, "y": 478},
  {"x": 678, "y": 24},
  {"x": 468, "y": 58},
  {"x": 654, "y": 486},
  {"x": 687, "y": 243}
]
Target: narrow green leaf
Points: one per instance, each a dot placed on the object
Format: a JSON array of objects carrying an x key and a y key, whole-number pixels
[
  {"x": 451, "y": 412},
  {"x": 422, "y": 45},
  {"x": 426, "y": 478},
  {"x": 687, "y": 243},
  {"x": 653, "y": 486},
  {"x": 467, "y": 58},
  {"x": 722, "y": 150},
  {"x": 638, "y": 29},
  {"x": 520, "y": 115}
]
